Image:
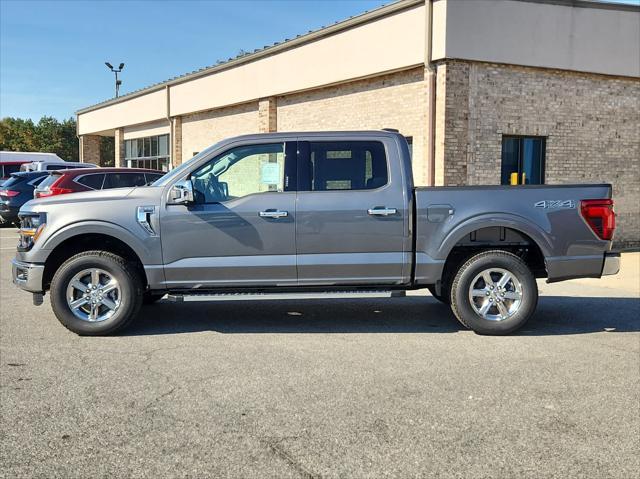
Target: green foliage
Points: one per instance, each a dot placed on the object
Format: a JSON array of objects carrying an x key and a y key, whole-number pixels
[
  {"x": 107, "y": 151},
  {"x": 48, "y": 135}
]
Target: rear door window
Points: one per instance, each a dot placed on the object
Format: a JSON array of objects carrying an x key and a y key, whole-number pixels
[
  {"x": 343, "y": 165},
  {"x": 91, "y": 181},
  {"x": 124, "y": 180}
]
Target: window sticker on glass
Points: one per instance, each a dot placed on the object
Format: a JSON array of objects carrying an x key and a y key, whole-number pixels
[{"x": 270, "y": 174}]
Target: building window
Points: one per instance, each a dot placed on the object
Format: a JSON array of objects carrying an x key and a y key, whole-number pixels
[
  {"x": 151, "y": 152},
  {"x": 523, "y": 156}
]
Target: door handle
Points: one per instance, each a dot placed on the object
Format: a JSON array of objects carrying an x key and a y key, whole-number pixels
[
  {"x": 273, "y": 214},
  {"x": 382, "y": 211}
]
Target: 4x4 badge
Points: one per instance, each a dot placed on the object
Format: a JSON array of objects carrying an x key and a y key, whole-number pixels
[{"x": 555, "y": 204}]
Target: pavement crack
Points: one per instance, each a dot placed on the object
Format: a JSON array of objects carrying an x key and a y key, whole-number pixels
[
  {"x": 159, "y": 398},
  {"x": 274, "y": 446}
]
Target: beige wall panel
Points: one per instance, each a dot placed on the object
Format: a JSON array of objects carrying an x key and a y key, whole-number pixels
[
  {"x": 391, "y": 101},
  {"x": 142, "y": 109},
  {"x": 439, "y": 33},
  {"x": 390, "y": 43},
  {"x": 201, "y": 130},
  {"x": 148, "y": 129},
  {"x": 593, "y": 40}
]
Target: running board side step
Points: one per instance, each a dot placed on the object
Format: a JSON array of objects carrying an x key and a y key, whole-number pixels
[{"x": 178, "y": 298}]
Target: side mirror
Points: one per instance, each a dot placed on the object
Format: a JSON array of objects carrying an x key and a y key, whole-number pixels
[{"x": 181, "y": 193}]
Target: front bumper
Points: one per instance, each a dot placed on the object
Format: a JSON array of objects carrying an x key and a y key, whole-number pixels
[
  {"x": 28, "y": 276},
  {"x": 611, "y": 263}
]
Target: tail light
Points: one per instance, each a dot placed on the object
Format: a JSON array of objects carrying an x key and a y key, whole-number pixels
[
  {"x": 52, "y": 190},
  {"x": 600, "y": 216},
  {"x": 9, "y": 193}
]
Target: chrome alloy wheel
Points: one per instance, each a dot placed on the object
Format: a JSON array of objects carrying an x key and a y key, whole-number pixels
[
  {"x": 93, "y": 295},
  {"x": 495, "y": 294}
]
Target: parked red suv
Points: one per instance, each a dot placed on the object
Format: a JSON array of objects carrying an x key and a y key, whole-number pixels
[{"x": 82, "y": 179}]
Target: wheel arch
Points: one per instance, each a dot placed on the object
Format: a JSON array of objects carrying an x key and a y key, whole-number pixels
[
  {"x": 509, "y": 234},
  {"x": 510, "y": 222},
  {"x": 70, "y": 245}
]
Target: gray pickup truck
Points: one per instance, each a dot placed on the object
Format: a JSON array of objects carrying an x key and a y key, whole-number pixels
[{"x": 313, "y": 215}]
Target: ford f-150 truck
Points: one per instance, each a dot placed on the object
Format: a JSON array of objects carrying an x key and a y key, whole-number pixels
[{"x": 311, "y": 214}]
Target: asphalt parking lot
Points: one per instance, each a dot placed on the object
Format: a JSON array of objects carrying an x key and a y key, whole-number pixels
[{"x": 331, "y": 388}]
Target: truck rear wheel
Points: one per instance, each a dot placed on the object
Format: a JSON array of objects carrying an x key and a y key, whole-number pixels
[
  {"x": 494, "y": 292},
  {"x": 96, "y": 293}
]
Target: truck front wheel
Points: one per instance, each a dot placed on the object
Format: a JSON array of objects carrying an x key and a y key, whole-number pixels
[
  {"x": 494, "y": 292},
  {"x": 96, "y": 293}
]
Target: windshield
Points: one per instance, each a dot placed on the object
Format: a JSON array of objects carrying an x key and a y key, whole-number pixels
[
  {"x": 11, "y": 181},
  {"x": 48, "y": 181},
  {"x": 183, "y": 167}
]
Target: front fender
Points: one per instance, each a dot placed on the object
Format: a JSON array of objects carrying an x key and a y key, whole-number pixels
[{"x": 146, "y": 248}]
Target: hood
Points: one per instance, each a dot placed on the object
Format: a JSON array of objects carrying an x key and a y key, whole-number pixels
[{"x": 82, "y": 199}]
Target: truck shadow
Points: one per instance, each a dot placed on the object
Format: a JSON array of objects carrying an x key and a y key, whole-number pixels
[{"x": 556, "y": 315}]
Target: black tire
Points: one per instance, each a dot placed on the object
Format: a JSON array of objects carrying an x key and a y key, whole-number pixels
[
  {"x": 443, "y": 298},
  {"x": 150, "y": 298},
  {"x": 131, "y": 290},
  {"x": 463, "y": 308}
]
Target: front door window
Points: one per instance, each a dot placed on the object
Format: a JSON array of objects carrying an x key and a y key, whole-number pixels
[{"x": 242, "y": 171}]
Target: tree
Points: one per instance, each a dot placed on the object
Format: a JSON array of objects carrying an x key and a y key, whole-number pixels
[{"x": 48, "y": 135}]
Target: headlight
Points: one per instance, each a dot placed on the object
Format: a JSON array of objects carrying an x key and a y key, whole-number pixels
[{"x": 31, "y": 227}]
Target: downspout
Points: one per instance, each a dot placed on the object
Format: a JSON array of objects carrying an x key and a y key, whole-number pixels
[
  {"x": 431, "y": 93},
  {"x": 80, "y": 158},
  {"x": 168, "y": 116}
]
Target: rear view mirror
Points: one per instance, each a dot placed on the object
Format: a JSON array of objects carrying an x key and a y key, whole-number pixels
[{"x": 181, "y": 193}]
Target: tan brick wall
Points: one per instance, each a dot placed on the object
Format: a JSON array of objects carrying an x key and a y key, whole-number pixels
[
  {"x": 397, "y": 100},
  {"x": 175, "y": 141},
  {"x": 90, "y": 149},
  {"x": 119, "y": 150},
  {"x": 267, "y": 115},
  {"x": 201, "y": 130},
  {"x": 592, "y": 125}
]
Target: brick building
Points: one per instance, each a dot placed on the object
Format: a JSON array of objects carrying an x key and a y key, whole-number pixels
[{"x": 547, "y": 89}]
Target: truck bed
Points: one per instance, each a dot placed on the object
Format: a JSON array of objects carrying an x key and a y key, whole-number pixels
[{"x": 546, "y": 217}]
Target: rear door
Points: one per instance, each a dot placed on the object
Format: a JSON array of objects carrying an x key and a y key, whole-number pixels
[{"x": 352, "y": 214}]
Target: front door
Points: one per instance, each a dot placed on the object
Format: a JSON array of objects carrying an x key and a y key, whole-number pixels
[
  {"x": 240, "y": 230},
  {"x": 352, "y": 216}
]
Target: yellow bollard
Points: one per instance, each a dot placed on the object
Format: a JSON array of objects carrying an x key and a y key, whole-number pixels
[{"x": 514, "y": 178}]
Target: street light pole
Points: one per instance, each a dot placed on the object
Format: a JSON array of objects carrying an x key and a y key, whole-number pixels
[{"x": 116, "y": 71}]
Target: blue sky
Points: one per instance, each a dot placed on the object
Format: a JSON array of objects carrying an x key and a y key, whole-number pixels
[{"x": 52, "y": 53}]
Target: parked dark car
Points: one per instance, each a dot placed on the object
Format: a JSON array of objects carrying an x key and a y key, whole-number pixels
[
  {"x": 77, "y": 180},
  {"x": 16, "y": 191}
]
